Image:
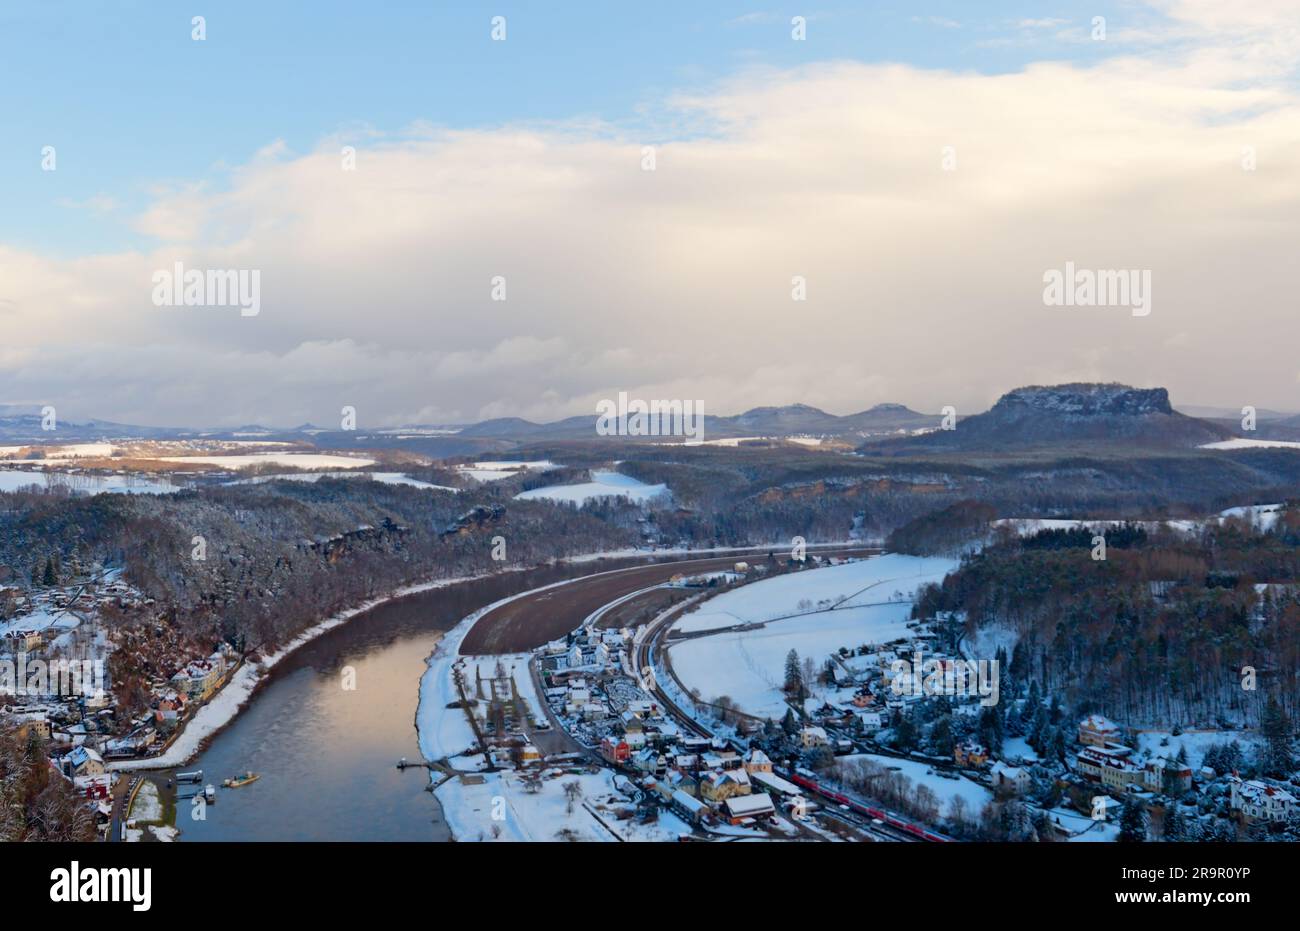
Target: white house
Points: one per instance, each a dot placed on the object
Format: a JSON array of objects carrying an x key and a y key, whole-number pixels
[{"x": 1259, "y": 801}]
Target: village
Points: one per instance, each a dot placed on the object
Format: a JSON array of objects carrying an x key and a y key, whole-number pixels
[
  {"x": 861, "y": 752},
  {"x": 133, "y": 686}
]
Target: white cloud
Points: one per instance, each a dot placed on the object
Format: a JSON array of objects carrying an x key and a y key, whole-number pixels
[{"x": 924, "y": 285}]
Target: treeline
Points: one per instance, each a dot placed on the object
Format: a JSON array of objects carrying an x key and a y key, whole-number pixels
[
  {"x": 256, "y": 564},
  {"x": 1167, "y": 628},
  {"x": 36, "y": 803}
]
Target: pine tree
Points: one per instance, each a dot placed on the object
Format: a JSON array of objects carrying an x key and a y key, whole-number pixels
[
  {"x": 1174, "y": 823},
  {"x": 1275, "y": 757},
  {"x": 794, "y": 684},
  {"x": 1133, "y": 824}
]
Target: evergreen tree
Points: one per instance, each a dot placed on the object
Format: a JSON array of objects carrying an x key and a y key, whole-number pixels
[
  {"x": 794, "y": 684},
  {"x": 1275, "y": 756},
  {"x": 1133, "y": 823},
  {"x": 789, "y": 724},
  {"x": 1174, "y": 823}
]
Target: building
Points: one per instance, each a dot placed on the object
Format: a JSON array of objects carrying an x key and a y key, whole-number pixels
[
  {"x": 757, "y": 762},
  {"x": 1110, "y": 766},
  {"x": 719, "y": 785},
  {"x": 83, "y": 761},
  {"x": 872, "y": 721},
  {"x": 32, "y": 722},
  {"x": 693, "y": 810},
  {"x": 1167, "y": 776},
  {"x": 1009, "y": 779},
  {"x": 1259, "y": 801},
  {"x": 812, "y": 737},
  {"x": 970, "y": 755},
  {"x": 1097, "y": 730},
  {"x": 615, "y": 750},
  {"x": 746, "y": 807}
]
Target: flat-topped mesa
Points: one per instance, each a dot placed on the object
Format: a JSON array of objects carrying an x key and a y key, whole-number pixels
[
  {"x": 1084, "y": 399},
  {"x": 1079, "y": 412}
]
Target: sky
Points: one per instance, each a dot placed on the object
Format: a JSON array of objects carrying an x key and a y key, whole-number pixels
[{"x": 911, "y": 170}]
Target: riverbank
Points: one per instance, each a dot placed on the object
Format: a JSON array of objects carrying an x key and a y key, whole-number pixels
[
  {"x": 226, "y": 704},
  {"x": 223, "y": 708}
]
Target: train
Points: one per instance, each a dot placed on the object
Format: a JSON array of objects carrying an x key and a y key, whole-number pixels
[{"x": 803, "y": 778}]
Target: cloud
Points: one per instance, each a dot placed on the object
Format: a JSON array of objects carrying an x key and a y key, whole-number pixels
[{"x": 924, "y": 285}]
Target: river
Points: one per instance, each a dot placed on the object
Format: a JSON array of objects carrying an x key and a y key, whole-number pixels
[{"x": 326, "y": 754}]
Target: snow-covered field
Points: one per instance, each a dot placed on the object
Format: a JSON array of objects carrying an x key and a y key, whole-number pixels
[
  {"x": 14, "y": 479},
  {"x": 749, "y": 666},
  {"x": 1196, "y": 742},
  {"x": 298, "y": 460},
  {"x": 493, "y": 470},
  {"x": 468, "y": 810},
  {"x": 975, "y": 796},
  {"x": 387, "y": 478},
  {"x": 892, "y": 577},
  {"x": 603, "y": 485},
  {"x": 1241, "y": 443}
]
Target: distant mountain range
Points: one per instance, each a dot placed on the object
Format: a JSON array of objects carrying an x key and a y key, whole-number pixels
[
  {"x": 1026, "y": 417},
  {"x": 794, "y": 420}
]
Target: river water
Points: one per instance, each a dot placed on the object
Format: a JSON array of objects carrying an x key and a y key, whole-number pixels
[{"x": 327, "y": 754}]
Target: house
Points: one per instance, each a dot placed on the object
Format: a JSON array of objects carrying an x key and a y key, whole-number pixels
[
  {"x": 1097, "y": 730},
  {"x": 718, "y": 785},
  {"x": 872, "y": 721},
  {"x": 650, "y": 761},
  {"x": 22, "y": 641},
  {"x": 83, "y": 761},
  {"x": 530, "y": 754},
  {"x": 970, "y": 755},
  {"x": 1168, "y": 776},
  {"x": 757, "y": 762},
  {"x": 746, "y": 807},
  {"x": 615, "y": 750},
  {"x": 812, "y": 736},
  {"x": 200, "y": 678},
  {"x": 1259, "y": 801},
  {"x": 693, "y": 810},
  {"x": 32, "y": 722},
  {"x": 1009, "y": 779}
]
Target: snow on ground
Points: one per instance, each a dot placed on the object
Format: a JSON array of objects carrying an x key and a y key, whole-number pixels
[
  {"x": 300, "y": 460},
  {"x": 1018, "y": 747},
  {"x": 603, "y": 485},
  {"x": 147, "y": 806},
  {"x": 892, "y": 577},
  {"x": 491, "y": 471},
  {"x": 387, "y": 478},
  {"x": 1085, "y": 829},
  {"x": 976, "y": 796},
  {"x": 1262, "y": 515},
  {"x": 469, "y": 809},
  {"x": 85, "y": 482},
  {"x": 749, "y": 666},
  {"x": 163, "y": 833},
  {"x": 1196, "y": 742},
  {"x": 1241, "y": 443}
]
